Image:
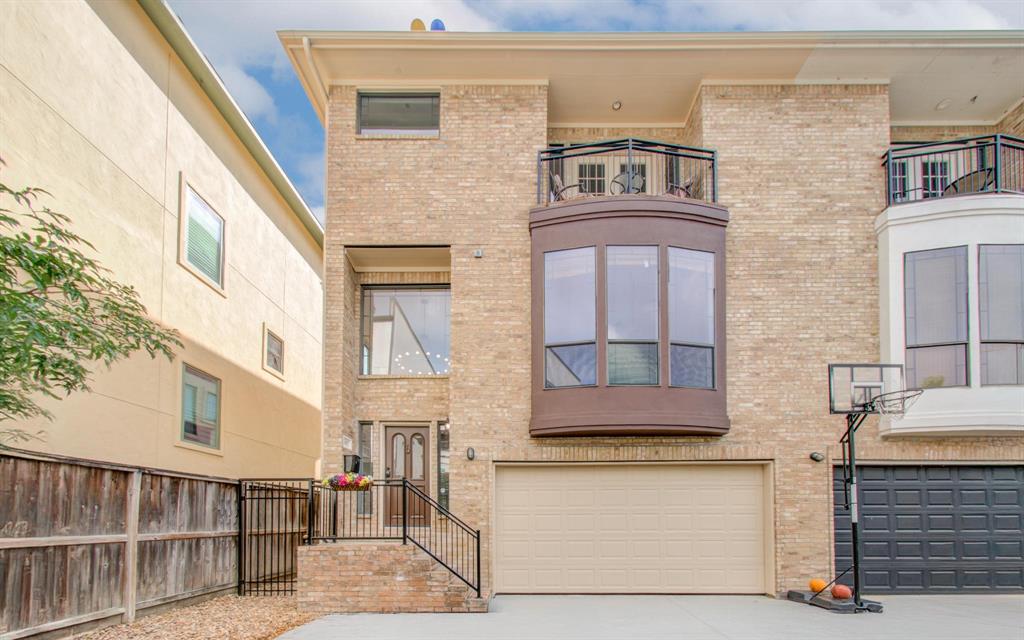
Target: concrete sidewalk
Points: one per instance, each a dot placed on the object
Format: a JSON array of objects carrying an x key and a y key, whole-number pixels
[{"x": 963, "y": 617}]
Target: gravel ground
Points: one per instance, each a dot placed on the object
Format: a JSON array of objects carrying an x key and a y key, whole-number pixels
[{"x": 227, "y": 618}]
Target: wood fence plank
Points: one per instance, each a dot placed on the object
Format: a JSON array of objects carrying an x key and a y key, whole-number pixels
[{"x": 131, "y": 547}]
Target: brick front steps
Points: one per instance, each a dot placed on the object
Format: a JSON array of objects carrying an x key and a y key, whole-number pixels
[{"x": 378, "y": 577}]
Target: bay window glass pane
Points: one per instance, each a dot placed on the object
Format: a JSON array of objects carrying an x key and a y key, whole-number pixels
[
  {"x": 1001, "y": 292},
  {"x": 393, "y": 113},
  {"x": 632, "y": 293},
  {"x": 570, "y": 299},
  {"x": 200, "y": 408},
  {"x": 935, "y": 285},
  {"x": 691, "y": 296},
  {"x": 406, "y": 331},
  {"x": 692, "y": 366},
  {"x": 932, "y": 367},
  {"x": 1002, "y": 363},
  {"x": 633, "y": 363},
  {"x": 570, "y": 365},
  {"x": 204, "y": 237}
]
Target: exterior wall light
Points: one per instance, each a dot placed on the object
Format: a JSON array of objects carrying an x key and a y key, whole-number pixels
[
  {"x": 817, "y": 457},
  {"x": 471, "y": 453},
  {"x": 616, "y": 105}
]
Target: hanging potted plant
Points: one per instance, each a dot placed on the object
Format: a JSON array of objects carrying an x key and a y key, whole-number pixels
[{"x": 348, "y": 482}]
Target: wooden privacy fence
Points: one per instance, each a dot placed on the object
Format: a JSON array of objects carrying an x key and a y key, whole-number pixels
[{"x": 84, "y": 541}]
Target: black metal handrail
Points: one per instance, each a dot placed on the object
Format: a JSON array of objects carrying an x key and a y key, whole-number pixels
[
  {"x": 396, "y": 510},
  {"x": 980, "y": 164},
  {"x": 627, "y": 166}
]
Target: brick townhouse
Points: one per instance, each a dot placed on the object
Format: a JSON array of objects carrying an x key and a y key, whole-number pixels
[{"x": 582, "y": 291}]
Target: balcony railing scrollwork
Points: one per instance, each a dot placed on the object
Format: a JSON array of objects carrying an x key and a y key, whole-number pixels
[{"x": 628, "y": 166}]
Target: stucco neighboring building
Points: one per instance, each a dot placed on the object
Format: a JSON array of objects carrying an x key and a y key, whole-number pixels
[
  {"x": 111, "y": 108},
  {"x": 611, "y": 359}
]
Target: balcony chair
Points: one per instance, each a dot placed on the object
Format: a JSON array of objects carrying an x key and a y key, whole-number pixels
[
  {"x": 559, "y": 191},
  {"x": 684, "y": 190},
  {"x": 973, "y": 182},
  {"x": 634, "y": 180}
]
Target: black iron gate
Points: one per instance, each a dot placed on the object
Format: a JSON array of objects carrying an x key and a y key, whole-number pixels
[{"x": 273, "y": 518}]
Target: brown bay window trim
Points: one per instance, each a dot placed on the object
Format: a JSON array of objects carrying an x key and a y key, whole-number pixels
[{"x": 613, "y": 409}]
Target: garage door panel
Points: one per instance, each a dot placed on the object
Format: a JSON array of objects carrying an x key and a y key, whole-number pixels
[
  {"x": 632, "y": 528},
  {"x": 964, "y": 534}
]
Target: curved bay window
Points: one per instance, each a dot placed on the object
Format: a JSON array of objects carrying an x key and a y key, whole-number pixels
[{"x": 628, "y": 316}]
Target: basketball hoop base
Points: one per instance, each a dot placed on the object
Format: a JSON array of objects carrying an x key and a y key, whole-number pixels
[{"x": 826, "y": 601}]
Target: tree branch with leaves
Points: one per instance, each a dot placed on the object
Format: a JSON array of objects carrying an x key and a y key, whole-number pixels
[{"x": 61, "y": 311}]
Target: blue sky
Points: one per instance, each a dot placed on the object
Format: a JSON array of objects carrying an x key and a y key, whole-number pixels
[{"x": 239, "y": 38}]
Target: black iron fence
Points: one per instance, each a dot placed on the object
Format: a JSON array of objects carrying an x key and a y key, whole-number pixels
[
  {"x": 278, "y": 515},
  {"x": 985, "y": 164},
  {"x": 626, "y": 166}
]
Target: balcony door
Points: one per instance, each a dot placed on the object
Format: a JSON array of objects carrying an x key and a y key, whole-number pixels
[{"x": 407, "y": 457}]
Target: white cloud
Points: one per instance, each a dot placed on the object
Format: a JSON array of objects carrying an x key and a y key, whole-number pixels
[{"x": 247, "y": 91}]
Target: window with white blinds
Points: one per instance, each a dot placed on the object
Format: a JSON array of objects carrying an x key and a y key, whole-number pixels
[{"x": 204, "y": 237}]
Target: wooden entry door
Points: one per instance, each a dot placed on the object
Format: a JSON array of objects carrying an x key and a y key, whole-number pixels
[{"x": 407, "y": 456}]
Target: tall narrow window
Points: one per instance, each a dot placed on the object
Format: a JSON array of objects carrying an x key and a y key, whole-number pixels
[
  {"x": 691, "y": 318},
  {"x": 443, "y": 459},
  {"x": 899, "y": 186},
  {"x": 364, "y": 504},
  {"x": 200, "y": 408},
  {"x": 406, "y": 331},
  {"x": 395, "y": 114},
  {"x": 570, "y": 325},
  {"x": 632, "y": 315},
  {"x": 934, "y": 178},
  {"x": 935, "y": 287},
  {"x": 1001, "y": 311},
  {"x": 204, "y": 238}
]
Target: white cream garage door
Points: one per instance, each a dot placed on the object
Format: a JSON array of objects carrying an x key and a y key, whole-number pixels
[{"x": 643, "y": 528}]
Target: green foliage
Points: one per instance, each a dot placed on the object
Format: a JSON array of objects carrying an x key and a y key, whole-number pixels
[{"x": 60, "y": 311}]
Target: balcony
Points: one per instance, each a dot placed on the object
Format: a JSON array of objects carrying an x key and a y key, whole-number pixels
[
  {"x": 625, "y": 167},
  {"x": 986, "y": 164}
]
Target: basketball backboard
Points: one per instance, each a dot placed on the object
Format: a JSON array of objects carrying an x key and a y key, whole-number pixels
[{"x": 852, "y": 387}]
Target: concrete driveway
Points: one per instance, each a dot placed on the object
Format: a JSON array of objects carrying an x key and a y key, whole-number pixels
[{"x": 966, "y": 617}]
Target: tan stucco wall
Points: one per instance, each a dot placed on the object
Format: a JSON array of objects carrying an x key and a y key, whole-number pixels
[
  {"x": 802, "y": 290},
  {"x": 98, "y": 110}
]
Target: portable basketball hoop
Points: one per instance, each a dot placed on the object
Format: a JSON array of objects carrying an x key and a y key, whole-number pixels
[{"x": 857, "y": 391}]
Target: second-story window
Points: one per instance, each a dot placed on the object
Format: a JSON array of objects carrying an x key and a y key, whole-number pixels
[
  {"x": 204, "y": 238},
  {"x": 934, "y": 177},
  {"x": 399, "y": 114},
  {"x": 935, "y": 288},
  {"x": 570, "y": 304},
  {"x": 591, "y": 177},
  {"x": 406, "y": 331},
  {"x": 632, "y": 315},
  {"x": 200, "y": 408},
  {"x": 1001, "y": 312},
  {"x": 691, "y": 318}
]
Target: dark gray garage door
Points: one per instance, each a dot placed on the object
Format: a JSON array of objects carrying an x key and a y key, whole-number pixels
[{"x": 934, "y": 529}]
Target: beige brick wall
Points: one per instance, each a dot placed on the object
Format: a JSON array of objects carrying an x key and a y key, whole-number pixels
[
  {"x": 939, "y": 133},
  {"x": 378, "y": 577},
  {"x": 1013, "y": 122},
  {"x": 578, "y": 135},
  {"x": 800, "y": 174}
]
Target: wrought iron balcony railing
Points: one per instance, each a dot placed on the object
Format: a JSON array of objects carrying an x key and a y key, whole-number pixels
[
  {"x": 626, "y": 166},
  {"x": 985, "y": 164}
]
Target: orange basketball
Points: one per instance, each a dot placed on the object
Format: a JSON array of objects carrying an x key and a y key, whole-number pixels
[
  {"x": 841, "y": 592},
  {"x": 817, "y": 585}
]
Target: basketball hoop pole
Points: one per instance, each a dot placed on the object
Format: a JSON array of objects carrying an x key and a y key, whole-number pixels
[{"x": 853, "y": 421}]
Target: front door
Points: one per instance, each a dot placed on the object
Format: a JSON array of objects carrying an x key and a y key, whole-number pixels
[{"x": 407, "y": 458}]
